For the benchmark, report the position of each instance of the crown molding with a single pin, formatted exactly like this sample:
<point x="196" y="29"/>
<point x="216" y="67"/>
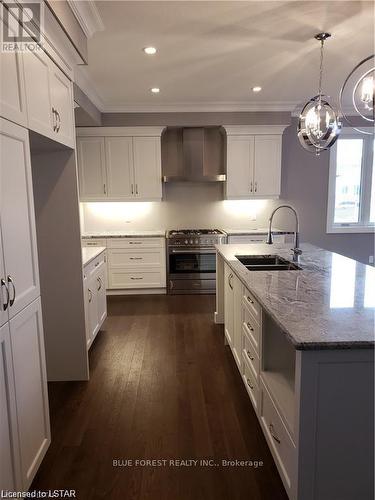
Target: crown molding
<point x="196" y="107"/>
<point x="255" y="129"/>
<point x="87" y="15"/>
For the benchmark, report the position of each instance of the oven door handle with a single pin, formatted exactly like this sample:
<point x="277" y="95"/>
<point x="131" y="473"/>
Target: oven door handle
<point x="198" y="251"/>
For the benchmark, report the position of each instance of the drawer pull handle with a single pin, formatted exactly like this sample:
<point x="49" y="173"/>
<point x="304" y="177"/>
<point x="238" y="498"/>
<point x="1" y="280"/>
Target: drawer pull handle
<point x="230" y="281"/>
<point x="250" y="327"/>
<point x="249" y="300"/>
<point x="273" y="434"/>
<point x="5" y="304"/>
<point x="132" y="278"/>
<point x="136" y="258"/>
<point x="135" y="242"/>
<point x="250" y="356"/>
<point x="249" y="384"/>
<point x="96" y="265"/>
<point x="100" y="284"/>
<point x="10" y="282"/>
<point x="90" y="295"/>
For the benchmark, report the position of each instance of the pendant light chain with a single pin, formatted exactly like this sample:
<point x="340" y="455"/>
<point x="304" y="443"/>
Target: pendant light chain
<point x="321" y="70"/>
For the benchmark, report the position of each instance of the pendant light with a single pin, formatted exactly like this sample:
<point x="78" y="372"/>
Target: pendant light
<point x="357" y="97"/>
<point x="318" y="124"/>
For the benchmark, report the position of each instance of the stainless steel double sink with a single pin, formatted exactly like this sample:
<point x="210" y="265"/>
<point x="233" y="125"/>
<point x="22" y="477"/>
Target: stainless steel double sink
<point x="267" y="263"/>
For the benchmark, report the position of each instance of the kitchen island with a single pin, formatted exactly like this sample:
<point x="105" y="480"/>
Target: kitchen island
<point x="303" y="342"/>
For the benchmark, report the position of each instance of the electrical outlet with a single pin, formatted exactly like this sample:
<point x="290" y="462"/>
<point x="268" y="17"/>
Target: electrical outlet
<point x="371" y="259"/>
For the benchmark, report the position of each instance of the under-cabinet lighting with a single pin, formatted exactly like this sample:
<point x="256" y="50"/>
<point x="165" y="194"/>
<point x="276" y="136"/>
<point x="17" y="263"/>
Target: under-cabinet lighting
<point x="119" y="211"/>
<point x="245" y="208"/>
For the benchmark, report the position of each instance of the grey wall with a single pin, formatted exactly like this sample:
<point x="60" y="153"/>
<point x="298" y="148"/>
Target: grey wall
<point x="87" y="114"/>
<point x="195" y="119"/>
<point x="305" y="185"/>
<point x="60" y="259"/>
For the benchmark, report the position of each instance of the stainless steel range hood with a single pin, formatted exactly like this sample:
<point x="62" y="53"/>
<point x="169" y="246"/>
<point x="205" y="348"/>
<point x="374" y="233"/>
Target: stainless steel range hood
<point x="193" y="154"/>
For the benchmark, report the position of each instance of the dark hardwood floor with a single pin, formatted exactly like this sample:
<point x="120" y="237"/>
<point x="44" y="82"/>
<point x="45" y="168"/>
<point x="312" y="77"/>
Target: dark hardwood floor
<point x="162" y="386"/>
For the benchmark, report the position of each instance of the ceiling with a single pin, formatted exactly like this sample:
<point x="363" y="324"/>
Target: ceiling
<point x="210" y="54"/>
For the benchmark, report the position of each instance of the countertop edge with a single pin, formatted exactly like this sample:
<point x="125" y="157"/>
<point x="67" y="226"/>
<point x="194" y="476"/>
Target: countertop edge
<point x="96" y="251"/>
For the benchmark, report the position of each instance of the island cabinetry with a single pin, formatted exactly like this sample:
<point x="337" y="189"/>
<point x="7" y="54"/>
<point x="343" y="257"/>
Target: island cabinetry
<point x="315" y="404"/>
<point x="232" y="298"/>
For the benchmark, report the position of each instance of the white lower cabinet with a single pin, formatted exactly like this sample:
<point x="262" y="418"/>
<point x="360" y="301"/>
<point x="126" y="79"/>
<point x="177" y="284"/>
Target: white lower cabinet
<point x="29" y="368"/>
<point x="9" y="459"/>
<point x="136" y="263"/>
<point x="232" y="298"/>
<point x="94" y="279"/>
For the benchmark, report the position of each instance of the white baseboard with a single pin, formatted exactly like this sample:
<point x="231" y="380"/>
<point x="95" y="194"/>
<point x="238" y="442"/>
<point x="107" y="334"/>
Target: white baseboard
<point x="218" y="318"/>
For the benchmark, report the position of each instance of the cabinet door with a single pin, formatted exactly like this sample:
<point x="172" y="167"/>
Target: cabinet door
<point x="147" y="168"/>
<point x="237" y="320"/>
<point x="101" y="293"/>
<point x="240" y="165"/>
<point x="4" y="291"/>
<point x="91" y="168"/>
<point x="92" y="297"/>
<point x="27" y="343"/>
<point x="38" y="97"/>
<point x="119" y="161"/>
<point x="9" y="458"/>
<point x="267" y="169"/>
<point x="18" y="217"/>
<point x="62" y="103"/>
<point x="228" y="304"/>
<point x="12" y="86"/>
<point x="86" y="296"/>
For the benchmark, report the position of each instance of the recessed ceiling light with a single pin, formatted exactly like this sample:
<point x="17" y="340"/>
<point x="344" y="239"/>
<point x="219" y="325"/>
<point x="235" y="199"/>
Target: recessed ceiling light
<point x="256" y="89"/>
<point x="150" y="51"/>
<point x="155" y="90"/>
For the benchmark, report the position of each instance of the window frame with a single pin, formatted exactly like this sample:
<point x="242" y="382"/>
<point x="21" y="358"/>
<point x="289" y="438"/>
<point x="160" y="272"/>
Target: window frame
<point x="363" y="225"/>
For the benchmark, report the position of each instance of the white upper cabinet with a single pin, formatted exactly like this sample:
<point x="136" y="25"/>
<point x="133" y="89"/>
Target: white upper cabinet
<point x="12" y="87"/>
<point x="147" y="167"/>
<point x="129" y="169"/>
<point x="253" y="161"/>
<point x="49" y="98"/>
<point x="62" y="104"/>
<point x="267" y="165"/>
<point x="17" y="217"/>
<point x="91" y="168"/>
<point x="119" y="161"/>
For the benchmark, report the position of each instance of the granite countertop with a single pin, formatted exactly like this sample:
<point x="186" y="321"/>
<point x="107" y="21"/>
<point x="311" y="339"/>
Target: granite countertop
<point x="124" y="234"/>
<point x="90" y="253"/>
<point x="259" y="230"/>
<point x="330" y="303"/>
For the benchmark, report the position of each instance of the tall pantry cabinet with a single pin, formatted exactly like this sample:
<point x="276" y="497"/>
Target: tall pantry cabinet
<point x="24" y="414"/>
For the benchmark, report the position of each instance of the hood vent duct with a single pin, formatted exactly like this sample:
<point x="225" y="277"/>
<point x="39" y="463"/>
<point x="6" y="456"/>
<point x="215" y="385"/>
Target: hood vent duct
<point x="193" y="154"/>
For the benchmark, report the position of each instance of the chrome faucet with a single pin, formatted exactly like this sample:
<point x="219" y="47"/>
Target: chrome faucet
<point x="296" y="250"/>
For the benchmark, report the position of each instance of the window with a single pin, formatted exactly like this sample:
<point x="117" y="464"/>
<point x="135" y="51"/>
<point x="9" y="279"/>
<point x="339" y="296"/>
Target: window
<point x="351" y="194"/>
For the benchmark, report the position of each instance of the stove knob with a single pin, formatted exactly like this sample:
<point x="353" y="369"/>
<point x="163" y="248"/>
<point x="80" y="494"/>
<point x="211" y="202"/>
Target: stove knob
<point x="191" y="242"/>
<point x="196" y="242"/>
<point x="186" y="242"/>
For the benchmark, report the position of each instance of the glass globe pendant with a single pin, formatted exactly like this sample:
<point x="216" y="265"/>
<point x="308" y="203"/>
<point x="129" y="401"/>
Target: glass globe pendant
<point x="318" y="124"/>
<point x="357" y="96"/>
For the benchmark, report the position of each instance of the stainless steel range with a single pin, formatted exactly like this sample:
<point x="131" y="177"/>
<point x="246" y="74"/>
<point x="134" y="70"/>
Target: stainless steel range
<point x="191" y="260"/>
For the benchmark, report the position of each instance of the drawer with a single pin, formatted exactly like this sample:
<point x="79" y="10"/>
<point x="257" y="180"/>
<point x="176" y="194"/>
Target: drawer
<point x="250" y="383"/>
<point x="277" y="436"/>
<point x="118" y="258"/>
<point x="251" y="327"/>
<point x="123" y="278"/>
<point x="94" y="242"/>
<point x="133" y="243"/>
<point x="252" y="304"/>
<point x="250" y="354"/>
